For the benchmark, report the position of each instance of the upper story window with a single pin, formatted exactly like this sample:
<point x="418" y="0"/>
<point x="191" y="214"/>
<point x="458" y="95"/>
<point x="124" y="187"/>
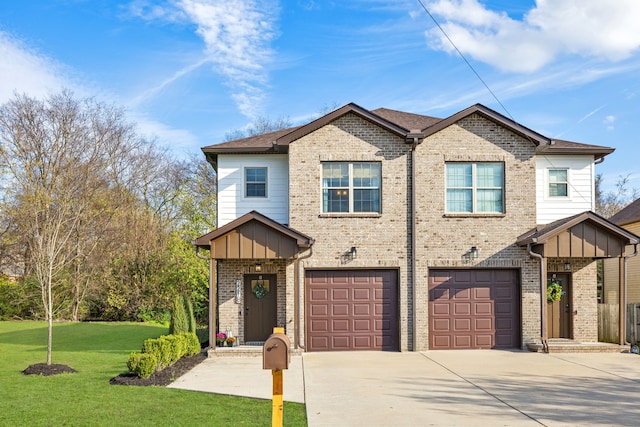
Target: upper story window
<point x="475" y="187"/>
<point x="255" y="182"/>
<point x="558" y="183"/>
<point x="351" y="187"/>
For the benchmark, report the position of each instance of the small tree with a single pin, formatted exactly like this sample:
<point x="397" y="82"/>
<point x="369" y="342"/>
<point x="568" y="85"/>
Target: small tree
<point x="179" y="321"/>
<point x="190" y="316"/>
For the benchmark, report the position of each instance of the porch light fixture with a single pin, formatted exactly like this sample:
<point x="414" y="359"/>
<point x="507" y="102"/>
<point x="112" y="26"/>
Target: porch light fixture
<point x="353" y="252"/>
<point x="238" y="295"/>
<point x="473" y="253"/>
<point x="567" y="266"/>
<point x="258" y="268"/>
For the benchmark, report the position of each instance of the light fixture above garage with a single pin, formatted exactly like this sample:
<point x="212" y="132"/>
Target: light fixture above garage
<point x="474" y="252"/>
<point x="353" y="252"/>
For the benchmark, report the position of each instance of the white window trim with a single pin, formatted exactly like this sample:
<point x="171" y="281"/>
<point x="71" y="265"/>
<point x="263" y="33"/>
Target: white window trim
<point x="474" y="189"/>
<point x="266" y="182"/>
<point x="350" y="189"/>
<point x="547" y="179"/>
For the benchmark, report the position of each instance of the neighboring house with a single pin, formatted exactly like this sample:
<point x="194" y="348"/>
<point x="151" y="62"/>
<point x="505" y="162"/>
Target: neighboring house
<point x="629" y="219"/>
<point x="385" y="230"/>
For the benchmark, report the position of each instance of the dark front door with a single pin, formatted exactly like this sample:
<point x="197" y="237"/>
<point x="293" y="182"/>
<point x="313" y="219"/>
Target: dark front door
<point x="559" y="312"/>
<point x="260" y="306"/>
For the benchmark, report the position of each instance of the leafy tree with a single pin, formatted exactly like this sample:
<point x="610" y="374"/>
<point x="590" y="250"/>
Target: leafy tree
<point x="179" y="321"/>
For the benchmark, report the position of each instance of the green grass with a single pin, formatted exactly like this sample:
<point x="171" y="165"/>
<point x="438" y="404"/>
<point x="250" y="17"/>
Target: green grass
<point x="99" y="351"/>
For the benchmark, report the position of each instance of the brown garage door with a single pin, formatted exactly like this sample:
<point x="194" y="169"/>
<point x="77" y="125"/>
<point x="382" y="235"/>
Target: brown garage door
<point x="351" y="310"/>
<point x="473" y="309"/>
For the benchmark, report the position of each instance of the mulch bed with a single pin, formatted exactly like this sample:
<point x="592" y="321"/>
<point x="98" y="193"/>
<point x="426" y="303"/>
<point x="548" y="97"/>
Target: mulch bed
<point x="161" y="378"/>
<point x="46" y="370"/>
<point x="164" y="377"/>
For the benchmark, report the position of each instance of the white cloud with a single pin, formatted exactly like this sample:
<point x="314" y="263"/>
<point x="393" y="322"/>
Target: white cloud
<point x="608" y="121"/>
<point x="236" y="34"/>
<point x="587" y="28"/>
<point x="24" y="70"/>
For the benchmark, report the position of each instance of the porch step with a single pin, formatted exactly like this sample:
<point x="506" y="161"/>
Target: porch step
<point x="570" y="346"/>
<point x="242" y="351"/>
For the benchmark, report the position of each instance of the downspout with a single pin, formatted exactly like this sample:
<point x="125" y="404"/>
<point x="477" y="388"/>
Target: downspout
<point x="623" y="297"/>
<point x="412" y="248"/>
<point x="212" y="298"/>
<point x="298" y="343"/>
<point x="543" y="292"/>
<point x="415" y="137"/>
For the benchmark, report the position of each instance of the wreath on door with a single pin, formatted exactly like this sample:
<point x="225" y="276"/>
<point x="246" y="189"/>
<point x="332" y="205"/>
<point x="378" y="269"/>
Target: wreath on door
<point x="260" y="291"/>
<point x="554" y="290"/>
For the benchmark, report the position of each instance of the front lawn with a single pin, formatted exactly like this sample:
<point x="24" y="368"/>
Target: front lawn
<point x="99" y="351"/>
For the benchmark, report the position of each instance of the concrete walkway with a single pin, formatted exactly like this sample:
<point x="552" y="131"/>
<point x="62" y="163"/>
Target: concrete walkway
<point x="442" y="388"/>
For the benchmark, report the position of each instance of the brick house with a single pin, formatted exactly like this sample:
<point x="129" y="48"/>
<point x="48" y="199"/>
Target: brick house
<point x="385" y="230"/>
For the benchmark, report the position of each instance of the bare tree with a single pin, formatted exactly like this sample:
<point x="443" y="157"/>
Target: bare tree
<point x="259" y="126"/>
<point x="65" y="159"/>
<point x="608" y="203"/>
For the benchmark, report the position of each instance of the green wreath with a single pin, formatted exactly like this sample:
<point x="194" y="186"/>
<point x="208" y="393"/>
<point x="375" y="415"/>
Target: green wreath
<point x="554" y="291"/>
<point x="260" y="291"/>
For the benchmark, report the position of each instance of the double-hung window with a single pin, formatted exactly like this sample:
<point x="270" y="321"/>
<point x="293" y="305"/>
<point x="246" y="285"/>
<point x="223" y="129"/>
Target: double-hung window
<point x="558" y="183"/>
<point x="475" y="187"/>
<point x="351" y="187"/>
<point x="255" y="182"/>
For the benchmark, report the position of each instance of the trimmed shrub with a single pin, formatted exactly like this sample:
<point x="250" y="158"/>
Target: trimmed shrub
<point x="191" y="318"/>
<point x="176" y="346"/>
<point x="179" y="321"/>
<point x="142" y="364"/>
<point x="192" y="344"/>
<point x="161" y="349"/>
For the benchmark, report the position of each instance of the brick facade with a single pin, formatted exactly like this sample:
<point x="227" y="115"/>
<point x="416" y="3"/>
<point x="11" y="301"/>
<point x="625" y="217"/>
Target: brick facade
<point x="383" y="240"/>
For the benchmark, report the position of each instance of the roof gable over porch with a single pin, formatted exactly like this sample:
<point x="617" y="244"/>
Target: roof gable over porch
<point x="586" y="235"/>
<point x="254" y="236"/>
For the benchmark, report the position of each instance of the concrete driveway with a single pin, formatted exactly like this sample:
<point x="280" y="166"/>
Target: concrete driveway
<point x="454" y="388"/>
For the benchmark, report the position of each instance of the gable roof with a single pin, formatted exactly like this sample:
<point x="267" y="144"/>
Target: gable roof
<point x="629" y="214"/>
<point x="409" y="126"/>
<point x="302" y="240"/>
<point x="543" y="233"/>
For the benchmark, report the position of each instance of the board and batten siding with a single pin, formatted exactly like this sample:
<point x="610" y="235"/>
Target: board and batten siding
<point x="581" y="178"/>
<point x="232" y="202"/>
<point x="611" y="273"/>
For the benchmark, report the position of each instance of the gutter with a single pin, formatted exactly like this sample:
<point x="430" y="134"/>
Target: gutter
<point x="543" y="309"/>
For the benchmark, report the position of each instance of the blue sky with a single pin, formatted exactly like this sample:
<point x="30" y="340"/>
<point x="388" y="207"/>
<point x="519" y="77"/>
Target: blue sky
<point x="190" y="71"/>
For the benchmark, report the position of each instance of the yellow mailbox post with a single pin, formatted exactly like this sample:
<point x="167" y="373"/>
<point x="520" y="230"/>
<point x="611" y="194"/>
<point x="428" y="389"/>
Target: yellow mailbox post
<point x="276" y="355"/>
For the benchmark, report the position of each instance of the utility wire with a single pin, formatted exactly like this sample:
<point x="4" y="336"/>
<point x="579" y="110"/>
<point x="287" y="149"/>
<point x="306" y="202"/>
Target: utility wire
<point x="487" y="86"/>
<point x="465" y="59"/>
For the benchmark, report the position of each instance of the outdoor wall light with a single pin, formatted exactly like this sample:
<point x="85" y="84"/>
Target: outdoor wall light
<point x="473" y="253"/>
<point x="238" y="296"/>
<point x="258" y="268"/>
<point x="567" y="266"/>
<point x="353" y="252"/>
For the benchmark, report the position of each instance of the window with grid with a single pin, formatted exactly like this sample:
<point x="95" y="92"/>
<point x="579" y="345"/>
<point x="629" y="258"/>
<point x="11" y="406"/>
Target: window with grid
<point x="475" y="187"/>
<point x="255" y="182"/>
<point x="351" y="187"/>
<point x="558" y="183"/>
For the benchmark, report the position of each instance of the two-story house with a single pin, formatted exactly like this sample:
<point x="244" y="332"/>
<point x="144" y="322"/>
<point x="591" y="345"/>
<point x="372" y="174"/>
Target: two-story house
<point x="385" y="230"/>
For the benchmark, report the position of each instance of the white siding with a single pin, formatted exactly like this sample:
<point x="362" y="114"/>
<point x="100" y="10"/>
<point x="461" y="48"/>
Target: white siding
<point x="232" y="202"/>
<point x="581" y="187"/>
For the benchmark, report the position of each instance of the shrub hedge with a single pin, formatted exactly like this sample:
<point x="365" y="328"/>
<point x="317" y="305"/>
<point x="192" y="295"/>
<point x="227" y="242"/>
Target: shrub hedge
<point x="158" y="353"/>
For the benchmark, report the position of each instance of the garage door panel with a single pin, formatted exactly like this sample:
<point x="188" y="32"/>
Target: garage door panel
<point x="474" y="309"/>
<point x="319" y="325"/>
<point x="360" y="306"/>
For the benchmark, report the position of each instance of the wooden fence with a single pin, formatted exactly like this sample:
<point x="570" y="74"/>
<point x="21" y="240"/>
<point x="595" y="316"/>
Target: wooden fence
<point x="608" y="316"/>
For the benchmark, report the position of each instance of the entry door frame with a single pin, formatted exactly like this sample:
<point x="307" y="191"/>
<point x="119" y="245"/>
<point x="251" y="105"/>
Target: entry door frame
<point x="260" y="314"/>
<point x="560" y="313"/>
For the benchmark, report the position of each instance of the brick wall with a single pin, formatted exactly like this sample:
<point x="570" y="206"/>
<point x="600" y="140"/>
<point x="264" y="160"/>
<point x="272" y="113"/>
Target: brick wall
<point x="443" y="240"/>
<point x="382" y="240"/>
